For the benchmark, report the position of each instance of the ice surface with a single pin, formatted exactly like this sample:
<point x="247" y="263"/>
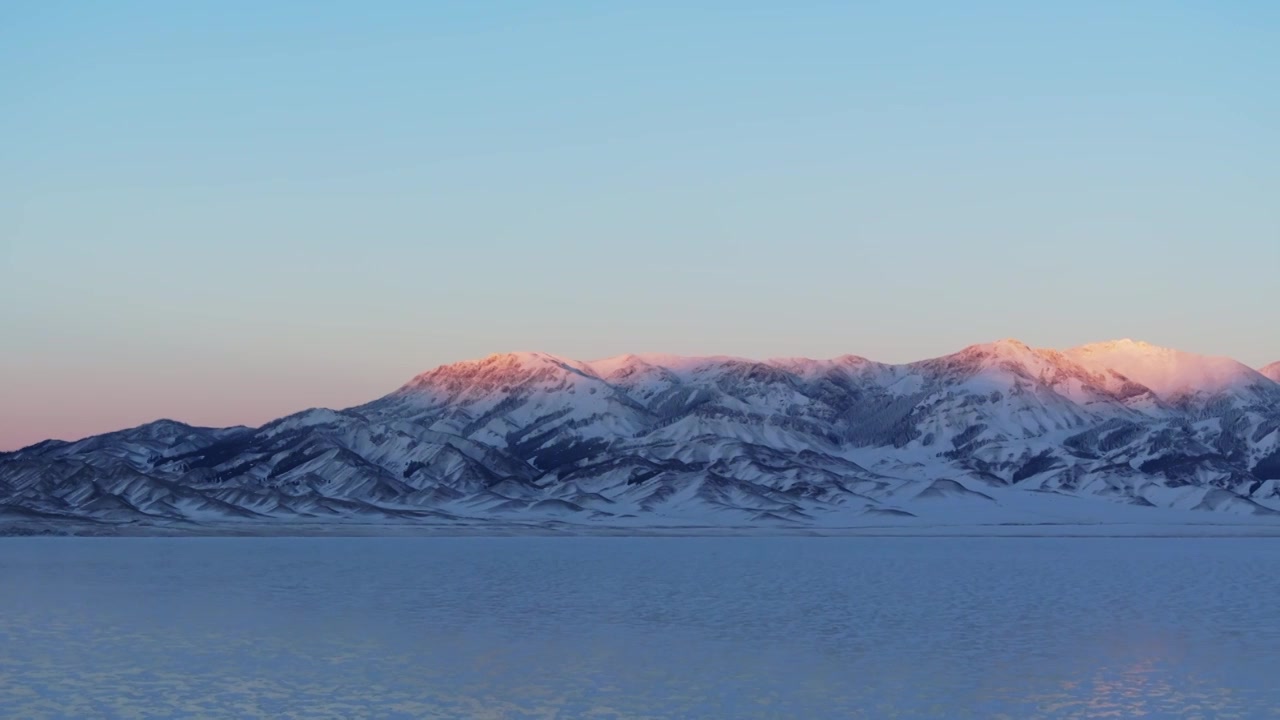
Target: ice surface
<point x="639" y="627"/>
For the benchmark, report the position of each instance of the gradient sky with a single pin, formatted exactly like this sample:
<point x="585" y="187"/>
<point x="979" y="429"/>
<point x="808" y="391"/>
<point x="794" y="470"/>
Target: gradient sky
<point x="222" y="212"/>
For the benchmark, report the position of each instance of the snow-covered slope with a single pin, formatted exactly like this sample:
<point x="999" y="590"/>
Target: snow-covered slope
<point x="1170" y="374"/>
<point x="997" y="432"/>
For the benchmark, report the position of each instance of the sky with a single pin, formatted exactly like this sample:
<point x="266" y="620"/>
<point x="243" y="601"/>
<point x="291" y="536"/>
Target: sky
<point x="223" y="212"/>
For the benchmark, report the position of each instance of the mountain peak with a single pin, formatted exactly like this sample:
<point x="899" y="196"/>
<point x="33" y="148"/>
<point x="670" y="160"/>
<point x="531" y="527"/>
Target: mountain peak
<point x="1005" y="347"/>
<point x="999" y="352"/>
<point x="675" y="365"/>
<point x="1013" y="343"/>
<point x="1167" y="372"/>
<point x="493" y="372"/>
<point x="523" y="358"/>
<point x="1271" y="371"/>
<point x="1123" y="345"/>
<point x="808" y="366"/>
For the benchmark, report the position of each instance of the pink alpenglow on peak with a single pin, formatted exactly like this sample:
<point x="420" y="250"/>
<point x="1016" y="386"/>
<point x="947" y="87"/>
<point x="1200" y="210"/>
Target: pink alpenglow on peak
<point x="631" y="363"/>
<point x="1166" y="372"/>
<point x="1271" y="371"/>
<point x="1126" y="367"/>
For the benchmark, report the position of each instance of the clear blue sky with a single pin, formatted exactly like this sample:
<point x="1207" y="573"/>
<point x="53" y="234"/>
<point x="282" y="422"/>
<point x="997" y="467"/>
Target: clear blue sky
<point x="225" y="211"/>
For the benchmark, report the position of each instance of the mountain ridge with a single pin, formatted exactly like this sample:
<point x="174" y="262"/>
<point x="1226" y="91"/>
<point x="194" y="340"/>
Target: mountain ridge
<point x="997" y="432"/>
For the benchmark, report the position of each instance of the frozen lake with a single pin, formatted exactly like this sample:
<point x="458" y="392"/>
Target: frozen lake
<point x="640" y="627"/>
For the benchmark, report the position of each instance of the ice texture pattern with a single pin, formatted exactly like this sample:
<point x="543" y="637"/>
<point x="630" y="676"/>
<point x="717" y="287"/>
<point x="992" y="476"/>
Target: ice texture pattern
<point x="639" y="627"/>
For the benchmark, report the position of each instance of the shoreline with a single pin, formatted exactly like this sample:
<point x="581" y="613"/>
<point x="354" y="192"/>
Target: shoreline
<point x="495" y="530"/>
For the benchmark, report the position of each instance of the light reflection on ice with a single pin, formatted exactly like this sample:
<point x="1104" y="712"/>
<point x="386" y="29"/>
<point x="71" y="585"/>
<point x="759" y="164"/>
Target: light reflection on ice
<point x="639" y="627"/>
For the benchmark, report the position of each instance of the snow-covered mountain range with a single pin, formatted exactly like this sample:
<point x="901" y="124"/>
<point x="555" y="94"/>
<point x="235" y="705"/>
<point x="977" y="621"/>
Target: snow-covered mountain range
<point x="1001" y="432"/>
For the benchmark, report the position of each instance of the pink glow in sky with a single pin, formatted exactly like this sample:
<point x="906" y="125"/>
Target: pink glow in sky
<point x="85" y="400"/>
<point x="223" y="216"/>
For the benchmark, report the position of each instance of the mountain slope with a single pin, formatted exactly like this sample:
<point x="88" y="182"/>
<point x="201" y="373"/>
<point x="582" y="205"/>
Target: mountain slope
<point x="997" y="432"/>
